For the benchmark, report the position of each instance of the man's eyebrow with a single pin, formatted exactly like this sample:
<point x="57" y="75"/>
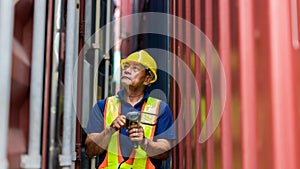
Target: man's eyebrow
<point x="140" y="65"/>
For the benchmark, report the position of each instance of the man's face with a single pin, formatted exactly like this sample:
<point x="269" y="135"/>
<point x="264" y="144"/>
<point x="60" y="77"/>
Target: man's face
<point x="134" y="75"/>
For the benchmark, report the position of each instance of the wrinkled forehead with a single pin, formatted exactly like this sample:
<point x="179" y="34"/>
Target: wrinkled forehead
<point x="132" y="63"/>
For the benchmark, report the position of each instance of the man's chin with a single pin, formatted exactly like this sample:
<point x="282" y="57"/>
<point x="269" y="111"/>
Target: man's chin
<point x="125" y="82"/>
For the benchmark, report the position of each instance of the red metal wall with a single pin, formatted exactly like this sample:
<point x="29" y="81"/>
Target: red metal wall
<point x="20" y="82"/>
<point x="257" y="44"/>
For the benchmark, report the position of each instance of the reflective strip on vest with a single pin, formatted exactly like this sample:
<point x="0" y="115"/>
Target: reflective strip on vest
<point x="138" y="157"/>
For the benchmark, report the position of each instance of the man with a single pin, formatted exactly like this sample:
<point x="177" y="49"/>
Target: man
<point x="108" y="135"/>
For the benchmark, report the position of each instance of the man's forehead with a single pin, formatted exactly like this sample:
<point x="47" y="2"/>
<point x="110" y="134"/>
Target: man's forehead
<point x="134" y="63"/>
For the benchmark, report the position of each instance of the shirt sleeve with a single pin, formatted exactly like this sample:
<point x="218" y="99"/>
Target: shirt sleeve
<point x="95" y="123"/>
<point x="165" y="125"/>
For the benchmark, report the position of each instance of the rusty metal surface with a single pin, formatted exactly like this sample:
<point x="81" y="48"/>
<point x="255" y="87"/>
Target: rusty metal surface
<point x="174" y="88"/>
<point x="282" y="85"/>
<point x="259" y="128"/>
<point x="47" y="83"/>
<point x="248" y="90"/>
<point x="208" y="30"/>
<point x="180" y="127"/>
<point x="224" y="52"/>
<point x="198" y="152"/>
<point x="20" y="84"/>
<point x="80" y="85"/>
<point x="188" y="151"/>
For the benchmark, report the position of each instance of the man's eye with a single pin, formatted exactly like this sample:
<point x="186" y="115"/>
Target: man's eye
<point x="136" y="69"/>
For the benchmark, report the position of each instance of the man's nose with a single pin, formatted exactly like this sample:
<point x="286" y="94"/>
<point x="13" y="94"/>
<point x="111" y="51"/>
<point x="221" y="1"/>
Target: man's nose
<point x="128" y="70"/>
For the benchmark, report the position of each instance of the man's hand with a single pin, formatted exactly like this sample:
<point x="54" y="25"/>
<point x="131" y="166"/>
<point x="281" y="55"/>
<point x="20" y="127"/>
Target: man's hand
<point x="96" y="143"/>
<point x="136" y="133"/>
<point x="119" y="123"/>
<point x="158" y="149"/>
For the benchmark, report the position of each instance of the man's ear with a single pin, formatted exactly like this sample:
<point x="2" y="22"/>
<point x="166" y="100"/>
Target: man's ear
<point x="148" y="79"/>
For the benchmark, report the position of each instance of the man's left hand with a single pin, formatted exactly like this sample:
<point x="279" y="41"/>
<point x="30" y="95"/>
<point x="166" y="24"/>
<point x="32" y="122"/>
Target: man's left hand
<point x="136" y="133"/>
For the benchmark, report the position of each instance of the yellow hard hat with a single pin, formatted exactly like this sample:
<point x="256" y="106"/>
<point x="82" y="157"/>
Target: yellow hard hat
<point x="145" y="59"/>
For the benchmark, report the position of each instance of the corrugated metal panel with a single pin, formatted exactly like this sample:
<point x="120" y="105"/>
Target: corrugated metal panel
<point x="247" y="88"/>
<point x="173" y="95"/>
<point x="197" y="72"/>
<point x="181" y="145"/>
<point x="282" y="82"/>
<point x="208" y="30"/>
<point x="20" y="83"/>
<point x="189" y="102"/>
<point x="256" y="42"/>
<point x="224" y="51"/>
<point x="47" y="83"/>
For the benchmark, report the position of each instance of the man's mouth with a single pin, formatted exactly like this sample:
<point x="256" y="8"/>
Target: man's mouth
<point x="126" y="77"/>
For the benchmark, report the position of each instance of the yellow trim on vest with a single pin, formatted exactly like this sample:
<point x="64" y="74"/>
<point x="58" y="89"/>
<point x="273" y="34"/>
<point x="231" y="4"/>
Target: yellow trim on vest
<point x="113" y="110"/>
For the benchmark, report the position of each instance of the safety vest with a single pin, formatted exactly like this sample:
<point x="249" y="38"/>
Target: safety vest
<point x="138" y="158"/>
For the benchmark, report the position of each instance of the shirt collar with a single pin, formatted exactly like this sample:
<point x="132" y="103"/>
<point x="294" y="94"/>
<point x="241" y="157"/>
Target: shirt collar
<point x="122" y="99"/>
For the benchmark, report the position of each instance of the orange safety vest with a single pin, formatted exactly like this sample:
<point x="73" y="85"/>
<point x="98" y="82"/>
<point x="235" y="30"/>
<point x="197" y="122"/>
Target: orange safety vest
<point x="138" y="158"/>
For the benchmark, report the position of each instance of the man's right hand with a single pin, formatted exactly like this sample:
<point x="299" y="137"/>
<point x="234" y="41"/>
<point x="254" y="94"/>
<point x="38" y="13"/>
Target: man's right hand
<point x="119" y="123"/>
